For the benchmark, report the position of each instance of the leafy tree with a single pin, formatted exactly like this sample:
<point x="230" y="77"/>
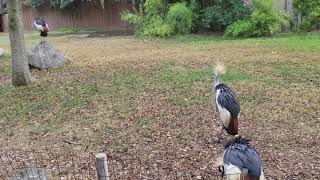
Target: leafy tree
<point x="56" y="3"/>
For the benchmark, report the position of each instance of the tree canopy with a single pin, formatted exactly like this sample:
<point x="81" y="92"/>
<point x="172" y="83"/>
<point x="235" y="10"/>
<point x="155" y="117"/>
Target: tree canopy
<point x="59" y="4"/>
<point x="3" y="6"/>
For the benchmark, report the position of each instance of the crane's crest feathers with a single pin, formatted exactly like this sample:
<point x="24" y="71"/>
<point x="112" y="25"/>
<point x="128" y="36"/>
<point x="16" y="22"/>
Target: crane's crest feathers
<point x="217" y="74"/>
<point x="219" y="69"/>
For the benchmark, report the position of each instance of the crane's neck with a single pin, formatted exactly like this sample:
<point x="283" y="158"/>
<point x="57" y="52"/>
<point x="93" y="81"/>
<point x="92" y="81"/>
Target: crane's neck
<point x="217" y="80"/>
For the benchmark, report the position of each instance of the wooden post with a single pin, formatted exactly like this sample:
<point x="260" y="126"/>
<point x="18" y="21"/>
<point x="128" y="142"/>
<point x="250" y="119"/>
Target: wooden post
<point x="102" y="166"/>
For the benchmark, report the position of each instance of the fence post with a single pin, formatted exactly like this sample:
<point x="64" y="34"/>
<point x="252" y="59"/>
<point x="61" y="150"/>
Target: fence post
<point x="102" y="166"/>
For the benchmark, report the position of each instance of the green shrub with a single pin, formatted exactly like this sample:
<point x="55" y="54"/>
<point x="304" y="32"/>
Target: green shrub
<point x="196" y="20"/>
<point x="135" y="18"/>
<point x="157" y="27"/>
<point x="310" y="10"/>
<point x="223" y="13"/>
<point x="151" y="21"/>
<point x="153" y="7"/>
<point x="180" y="18"/>
<point x="264" y="21"/>
<point x="240" y="28"/>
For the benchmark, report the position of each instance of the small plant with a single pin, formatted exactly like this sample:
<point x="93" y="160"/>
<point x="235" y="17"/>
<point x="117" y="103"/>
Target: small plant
<point x="264" y="21"/>
<point x="180" y="18"/>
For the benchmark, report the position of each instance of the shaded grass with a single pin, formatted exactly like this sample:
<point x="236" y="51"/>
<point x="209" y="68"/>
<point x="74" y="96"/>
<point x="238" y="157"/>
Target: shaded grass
<point x="303" y="42"/>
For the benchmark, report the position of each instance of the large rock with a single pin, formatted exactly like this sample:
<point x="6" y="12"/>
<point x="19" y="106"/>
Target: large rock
<point x="30" y="174"/>
<point x="44" y="56"/>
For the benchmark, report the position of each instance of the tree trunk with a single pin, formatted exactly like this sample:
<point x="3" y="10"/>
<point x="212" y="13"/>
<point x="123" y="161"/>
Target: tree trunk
<point x="20" y="69"/>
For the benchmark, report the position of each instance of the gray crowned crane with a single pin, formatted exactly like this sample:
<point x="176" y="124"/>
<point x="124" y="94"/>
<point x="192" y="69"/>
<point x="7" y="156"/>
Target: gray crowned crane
<point x="41" y="25"/>
<point x="227" y="104"/>
<point x="241" y="161"/>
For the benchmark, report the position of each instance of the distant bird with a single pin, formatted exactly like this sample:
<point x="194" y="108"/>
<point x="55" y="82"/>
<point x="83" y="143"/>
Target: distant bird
<point x="227" y="104"/>
<point x="41" y="25"/>
<point x="241" y="161"/>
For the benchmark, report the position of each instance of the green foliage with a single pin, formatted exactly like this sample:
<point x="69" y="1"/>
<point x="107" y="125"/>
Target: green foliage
<point x="149" y="21"/>
<point x="53" y="3"/>
<point x="153" y="7"/>
<point x="153" y="22"/>
<point x="310" y="9"/>
<point x="37" y="3"/>
<point x="195" y="8"/>
<point x="180" y="18"/>
<point x="223" y="13"/>
<point x="135" y="18"/>
<point x="156" y="27"/>
<point x="264" y="21"/>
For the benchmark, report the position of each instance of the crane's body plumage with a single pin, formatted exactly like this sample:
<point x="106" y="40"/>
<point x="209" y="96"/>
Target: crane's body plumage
<point x="227" y="104"/>
<point x="240" y="157"/>
<point x="41" y="25"/>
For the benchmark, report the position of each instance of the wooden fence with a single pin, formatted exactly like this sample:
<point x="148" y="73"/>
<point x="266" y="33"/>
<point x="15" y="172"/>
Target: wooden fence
<point x="85" y="15"/>
<point x="287" y="6"/>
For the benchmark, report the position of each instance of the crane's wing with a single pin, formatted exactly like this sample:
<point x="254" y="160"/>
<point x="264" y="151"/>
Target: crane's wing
<point x="227" y="100"/>
<point x="244" y="156"/>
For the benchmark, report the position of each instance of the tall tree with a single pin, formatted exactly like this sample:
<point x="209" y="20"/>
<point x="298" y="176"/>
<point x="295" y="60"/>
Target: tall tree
<point x="20" y="69"/>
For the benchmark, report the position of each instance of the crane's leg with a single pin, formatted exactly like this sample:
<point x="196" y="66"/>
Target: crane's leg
<point x="220" y="135"/>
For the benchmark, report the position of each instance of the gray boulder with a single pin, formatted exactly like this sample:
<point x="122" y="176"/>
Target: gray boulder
<point x="30" y="174"/>
<point x="44" y="56"/>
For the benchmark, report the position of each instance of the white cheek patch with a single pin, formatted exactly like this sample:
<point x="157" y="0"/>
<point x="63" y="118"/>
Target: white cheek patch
<point x="224" y="114"/>
<point x="232" y="172"/>
<point x="39" y="27"/>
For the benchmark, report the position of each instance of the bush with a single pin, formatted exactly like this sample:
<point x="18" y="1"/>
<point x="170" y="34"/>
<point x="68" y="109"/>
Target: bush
<point x="264" y="21"/>
<point x="135" y="18"/>
<point x="157" y="27"/>
<point x="223" y="13"/>
<point x="149" y="21"/>
<point x="180" y="18"/>
<point x="195" y="8"/>
<point x="153" y="22"/>
<point x="311" y="11"/>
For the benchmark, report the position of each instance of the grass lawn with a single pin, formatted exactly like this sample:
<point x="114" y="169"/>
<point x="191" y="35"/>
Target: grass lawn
<point x="152" y="100"/>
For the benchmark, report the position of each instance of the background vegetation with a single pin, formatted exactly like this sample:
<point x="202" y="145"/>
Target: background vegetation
<point x="310" y="10"/>
<point x="235" y="17"/>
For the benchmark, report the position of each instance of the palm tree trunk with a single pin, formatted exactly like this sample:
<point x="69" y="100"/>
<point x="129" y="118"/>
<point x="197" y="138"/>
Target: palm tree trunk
<point x="20" y="69"/>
